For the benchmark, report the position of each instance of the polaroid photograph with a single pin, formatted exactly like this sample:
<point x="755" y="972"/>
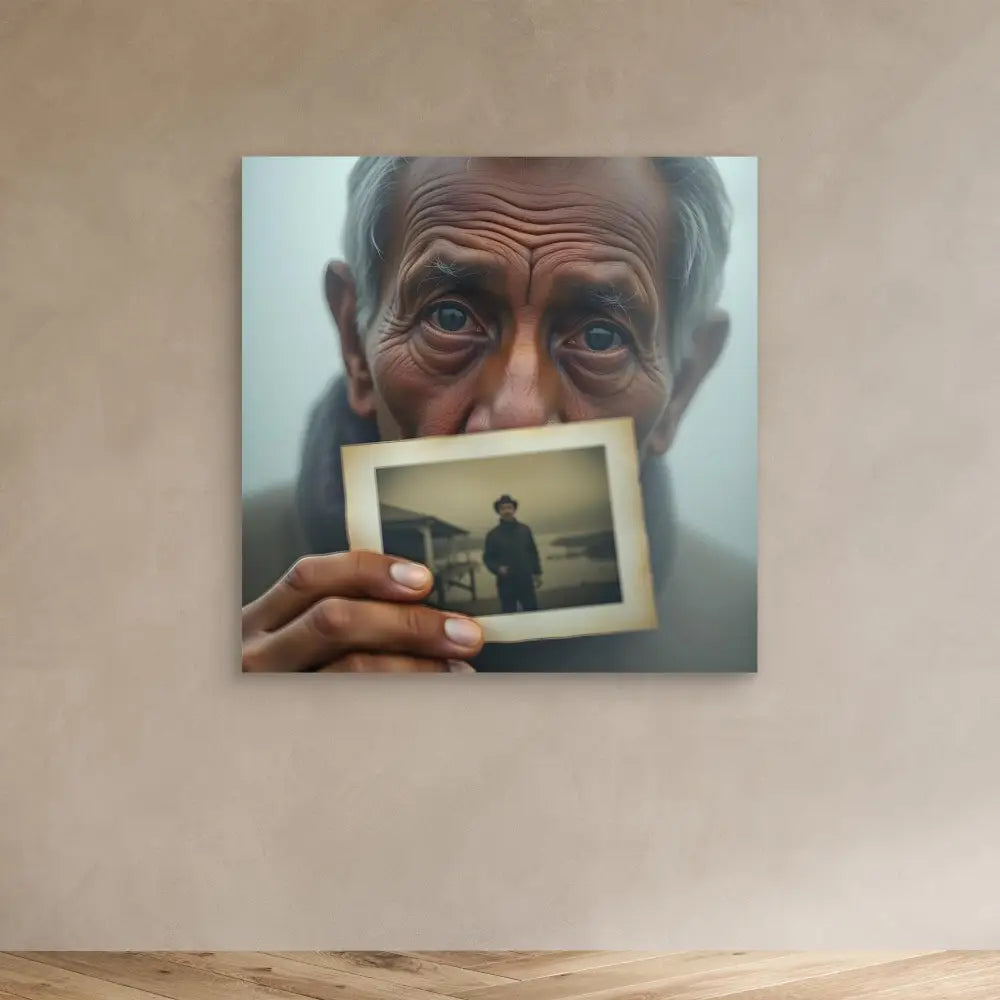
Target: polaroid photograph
<point x="537" y="533"/>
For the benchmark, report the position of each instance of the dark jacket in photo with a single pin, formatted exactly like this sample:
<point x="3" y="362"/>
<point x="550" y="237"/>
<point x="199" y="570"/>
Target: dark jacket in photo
<point x="511" y="544"/>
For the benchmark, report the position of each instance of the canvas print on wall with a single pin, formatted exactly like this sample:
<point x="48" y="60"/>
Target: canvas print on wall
<point x="499" y="414"/>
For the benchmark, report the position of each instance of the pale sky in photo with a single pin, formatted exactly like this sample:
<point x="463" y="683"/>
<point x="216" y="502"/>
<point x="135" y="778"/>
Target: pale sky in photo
<point x="557" y="491"/>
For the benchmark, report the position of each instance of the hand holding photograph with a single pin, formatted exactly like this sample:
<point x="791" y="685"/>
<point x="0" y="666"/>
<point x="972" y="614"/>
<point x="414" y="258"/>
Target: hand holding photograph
<point x="566" y="556"/>
<point x="527" y="440"/>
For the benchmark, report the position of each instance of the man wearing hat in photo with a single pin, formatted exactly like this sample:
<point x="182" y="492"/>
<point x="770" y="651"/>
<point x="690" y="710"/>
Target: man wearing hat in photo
<point x="511" y="556"/>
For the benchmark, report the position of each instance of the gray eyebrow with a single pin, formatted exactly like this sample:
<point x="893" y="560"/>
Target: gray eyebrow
<point x="619" y="298"/>
<point x="612" y="297"/>
<point x="464" y="276"/>
<point x="448" y="268"/>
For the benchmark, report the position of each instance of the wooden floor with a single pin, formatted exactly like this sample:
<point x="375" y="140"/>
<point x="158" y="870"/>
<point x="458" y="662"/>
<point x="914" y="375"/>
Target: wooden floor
<point x="500" y="975"/>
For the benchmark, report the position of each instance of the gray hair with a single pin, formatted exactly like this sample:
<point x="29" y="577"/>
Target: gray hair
<point x="701" y="224"/>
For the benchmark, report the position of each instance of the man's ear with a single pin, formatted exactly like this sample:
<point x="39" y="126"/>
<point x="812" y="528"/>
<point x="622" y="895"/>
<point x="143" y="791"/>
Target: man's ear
<point x="707" y="344"/>
<point x="342" y="299"/>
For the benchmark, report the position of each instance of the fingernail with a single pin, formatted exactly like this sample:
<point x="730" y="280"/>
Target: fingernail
<point x="462" y="632"/>
<point x="410" y="575"/>
<point x="460" y="667"/>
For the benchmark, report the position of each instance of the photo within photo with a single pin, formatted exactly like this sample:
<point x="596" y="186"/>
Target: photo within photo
<point x="507" y="534"/>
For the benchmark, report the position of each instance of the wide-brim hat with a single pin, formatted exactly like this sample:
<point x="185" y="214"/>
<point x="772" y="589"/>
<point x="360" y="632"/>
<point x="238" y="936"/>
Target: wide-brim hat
<point x="506" y="498"/>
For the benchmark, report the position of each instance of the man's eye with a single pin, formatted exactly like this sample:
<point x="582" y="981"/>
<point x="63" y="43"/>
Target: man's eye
<point x="602" y="337"/>
<point x="450" y="317"/>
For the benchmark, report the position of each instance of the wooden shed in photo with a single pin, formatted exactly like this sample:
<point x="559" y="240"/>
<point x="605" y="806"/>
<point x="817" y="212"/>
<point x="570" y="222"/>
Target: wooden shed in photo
<point x="431" y="541"/>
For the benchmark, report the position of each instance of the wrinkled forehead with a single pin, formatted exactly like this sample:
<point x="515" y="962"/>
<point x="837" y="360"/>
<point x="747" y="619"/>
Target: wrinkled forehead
<point x="527" y="204"/>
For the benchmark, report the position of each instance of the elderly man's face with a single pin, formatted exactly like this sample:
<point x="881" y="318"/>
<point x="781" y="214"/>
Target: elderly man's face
<point x="506" y="511"/>
<point x="518" y="293"/>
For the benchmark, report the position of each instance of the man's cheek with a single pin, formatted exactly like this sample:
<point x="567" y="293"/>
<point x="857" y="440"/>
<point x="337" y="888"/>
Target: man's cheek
<point x="647" y="413"/>
<point x="649" y="395"/>
<point x="446" y="411"/>
<point x="411" y="401"/>
<point x="645" y="401"/>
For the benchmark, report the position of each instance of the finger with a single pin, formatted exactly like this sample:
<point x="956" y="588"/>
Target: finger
<point x="339" y="574"/>
<point x="337" y="626"/>
<point x="375" y="663"/>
